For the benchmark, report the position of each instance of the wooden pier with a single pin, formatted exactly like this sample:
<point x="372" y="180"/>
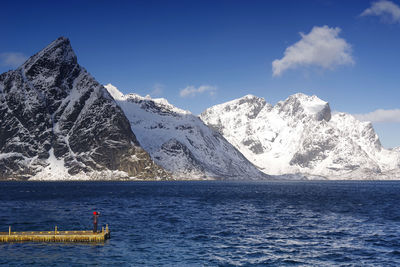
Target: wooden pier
<point x="55" y="236"/>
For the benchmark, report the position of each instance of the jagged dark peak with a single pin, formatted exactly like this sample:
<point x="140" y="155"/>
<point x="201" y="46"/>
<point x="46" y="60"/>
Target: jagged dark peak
<point x="57" y="55"/>
<point x="305" y="106"/>
<point x="59" y="121"/>
<point x="58" y="50"/>
<point x="51" y="71"/>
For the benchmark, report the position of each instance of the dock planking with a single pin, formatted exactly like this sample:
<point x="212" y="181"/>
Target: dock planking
<point x="55" y="236"/>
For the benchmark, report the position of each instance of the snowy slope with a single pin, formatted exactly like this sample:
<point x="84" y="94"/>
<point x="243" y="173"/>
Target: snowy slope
<point x="180" y="142"/>
<point x="300" y="135"/>
<point x="57" y="122"/>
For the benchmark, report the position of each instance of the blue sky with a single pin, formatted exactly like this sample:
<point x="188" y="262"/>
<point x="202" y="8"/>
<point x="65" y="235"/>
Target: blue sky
<point x="201" y="53"/>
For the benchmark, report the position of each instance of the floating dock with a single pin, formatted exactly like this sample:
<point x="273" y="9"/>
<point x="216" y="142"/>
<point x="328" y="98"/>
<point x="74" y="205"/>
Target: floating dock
<point x="55" y="236"/>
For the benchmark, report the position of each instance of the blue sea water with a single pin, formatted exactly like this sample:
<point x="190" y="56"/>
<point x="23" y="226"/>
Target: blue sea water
<point x="207" y="223"/>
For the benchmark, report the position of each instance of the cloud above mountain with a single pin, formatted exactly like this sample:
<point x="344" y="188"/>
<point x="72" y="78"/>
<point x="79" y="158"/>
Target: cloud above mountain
<point x="12" y="59"/>
<point x="387" y="10"/>
<point x="191" y="91"/>
<point x="380" y="115"/>
<point x="322" y="47"/>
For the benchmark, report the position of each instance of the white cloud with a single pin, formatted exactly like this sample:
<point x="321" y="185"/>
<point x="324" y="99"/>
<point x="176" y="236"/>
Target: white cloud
<point x="387" y="10"/>
<point x="380" y="115"/>
<point x="321" y="47"/>
<point x="12" y="59"/>
<point x="191" y="91"/>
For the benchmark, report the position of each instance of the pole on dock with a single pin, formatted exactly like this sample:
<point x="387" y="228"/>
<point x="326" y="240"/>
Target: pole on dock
<point x="9" y="230"/>
<point x="102" y="229"/>
<point x="55" y="230"/>
<point x="106" y="227"/>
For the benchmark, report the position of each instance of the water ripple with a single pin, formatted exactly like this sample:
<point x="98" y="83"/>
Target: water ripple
<point x="208" y="223"/>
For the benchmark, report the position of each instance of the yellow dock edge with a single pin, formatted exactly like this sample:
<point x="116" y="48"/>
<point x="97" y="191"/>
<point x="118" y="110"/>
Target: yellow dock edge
<point x="55" y="236"/>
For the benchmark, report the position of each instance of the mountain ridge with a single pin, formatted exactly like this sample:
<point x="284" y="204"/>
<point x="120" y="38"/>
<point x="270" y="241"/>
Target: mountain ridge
<point x="300" y="135"/>
<point x="181" y="142"/>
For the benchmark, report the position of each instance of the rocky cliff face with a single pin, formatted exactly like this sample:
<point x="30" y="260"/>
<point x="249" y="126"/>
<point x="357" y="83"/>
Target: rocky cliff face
<point x="300" y="135"/>
<point x="58" y="122"/>
<point x="182" y="143"/>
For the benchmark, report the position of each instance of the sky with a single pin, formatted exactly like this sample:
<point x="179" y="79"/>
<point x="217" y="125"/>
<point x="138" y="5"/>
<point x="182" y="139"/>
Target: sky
<point x="198" y="54"/>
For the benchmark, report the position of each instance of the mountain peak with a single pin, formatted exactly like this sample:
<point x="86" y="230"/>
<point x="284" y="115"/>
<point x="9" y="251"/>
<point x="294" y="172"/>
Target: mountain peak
<point x="114" y="92"/>
<point x="249" y="99"/>
<point x="308" y="105"/>
<point x="59" y="52"/>
<point x="307" y="99"/>
<point x="248" y="105"/>
<point x="250" y="96"/>
<point x="60" y="40"/>
<point x="156" y="105"/>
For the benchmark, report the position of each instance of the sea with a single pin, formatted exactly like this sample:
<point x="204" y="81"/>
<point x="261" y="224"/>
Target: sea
<point x="207" y="223"/>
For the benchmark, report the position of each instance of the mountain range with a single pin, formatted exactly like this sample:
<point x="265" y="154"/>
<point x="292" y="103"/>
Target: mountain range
<point x="301" y="135"/>
<point x="58" y="123"/>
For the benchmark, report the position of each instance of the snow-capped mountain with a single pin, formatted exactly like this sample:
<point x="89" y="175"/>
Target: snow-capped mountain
<point x="58" y="122"/>
<point x="180" y="142"/>
<point x="300" y="135"/>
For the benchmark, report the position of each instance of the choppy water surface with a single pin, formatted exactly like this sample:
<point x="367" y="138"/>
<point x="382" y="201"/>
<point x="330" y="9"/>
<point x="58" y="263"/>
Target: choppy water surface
<point x="208" y="223"/>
